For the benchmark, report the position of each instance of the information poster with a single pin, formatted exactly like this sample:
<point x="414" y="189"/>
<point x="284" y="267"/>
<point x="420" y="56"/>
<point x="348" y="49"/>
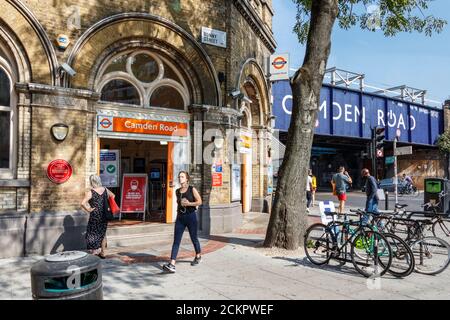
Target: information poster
<point x="269" y="179"/>
<point x="217" y="179"/>
<point x="109" y="167"/>
<point x="235" y="182"/>
<point x="134" y="193"/>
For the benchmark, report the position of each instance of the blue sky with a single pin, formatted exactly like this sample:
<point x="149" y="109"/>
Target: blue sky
<point x="411" y="59"/>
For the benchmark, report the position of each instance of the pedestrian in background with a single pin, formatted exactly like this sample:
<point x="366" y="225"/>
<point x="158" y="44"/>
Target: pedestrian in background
<point x="94" y="203"/>
<point x="340" y="181"/>
<point x="371" y="194"/>
<point x="314" y="187"/>
<point x="308" y="190"/>
<point x="188" y="199"/>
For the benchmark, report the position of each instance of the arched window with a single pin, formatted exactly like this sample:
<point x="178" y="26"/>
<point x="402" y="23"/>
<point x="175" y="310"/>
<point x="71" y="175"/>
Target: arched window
<point x="122" y="91"/>
<point x="167" y="97"/>
<point x="143" y="78"/>
<point x="7" y="116"/>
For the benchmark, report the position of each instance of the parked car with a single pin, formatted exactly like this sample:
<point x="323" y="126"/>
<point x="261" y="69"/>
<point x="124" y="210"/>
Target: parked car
<point x="387" y="184"/>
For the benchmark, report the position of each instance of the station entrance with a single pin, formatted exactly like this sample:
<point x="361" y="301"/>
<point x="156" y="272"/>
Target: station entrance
<point x="150" y="158"/>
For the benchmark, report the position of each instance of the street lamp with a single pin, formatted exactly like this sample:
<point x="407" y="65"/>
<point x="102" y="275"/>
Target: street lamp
<point x="60" y="131"/>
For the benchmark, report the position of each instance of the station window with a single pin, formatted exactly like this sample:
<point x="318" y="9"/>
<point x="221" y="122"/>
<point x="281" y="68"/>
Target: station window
<point x="7" y="116"/>
<point x="167" y="97"/>
<point x="143" y="78"/>
<point x="121" y="91"/>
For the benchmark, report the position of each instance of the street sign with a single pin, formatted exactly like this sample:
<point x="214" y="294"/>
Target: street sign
<point x="389" y="160"/>
<point x="402" y="151"/>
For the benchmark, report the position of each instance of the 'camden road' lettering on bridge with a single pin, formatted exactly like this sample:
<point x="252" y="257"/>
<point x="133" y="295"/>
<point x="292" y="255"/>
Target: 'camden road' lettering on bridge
<point x="349" y="113"/>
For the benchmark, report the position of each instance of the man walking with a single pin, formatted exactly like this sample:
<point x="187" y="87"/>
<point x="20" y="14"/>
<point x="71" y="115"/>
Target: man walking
<point x="340" y="181"/>
<point x="371" y="193"/>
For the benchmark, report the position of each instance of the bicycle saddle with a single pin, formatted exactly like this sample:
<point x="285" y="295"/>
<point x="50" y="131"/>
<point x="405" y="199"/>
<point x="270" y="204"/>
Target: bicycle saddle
<point x="400" y="206"/>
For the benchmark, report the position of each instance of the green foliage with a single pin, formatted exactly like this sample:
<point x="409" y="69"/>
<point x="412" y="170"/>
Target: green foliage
<point x="444" y="142"/>
<point x="389" y="16"/>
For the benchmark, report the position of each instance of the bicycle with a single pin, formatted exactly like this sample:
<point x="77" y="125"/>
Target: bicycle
<point x="403" y="262"/>
<point x="370" y="252"/>
<point x="441" y="226"/>
<point x="431" y="253"/>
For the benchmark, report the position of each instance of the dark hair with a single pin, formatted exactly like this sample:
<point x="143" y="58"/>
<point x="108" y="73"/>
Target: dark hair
<point x="187" y="175"/>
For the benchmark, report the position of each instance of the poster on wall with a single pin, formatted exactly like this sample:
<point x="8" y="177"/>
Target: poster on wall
<point x="245" y="142"/>
<point x="217" y="179"/>
<point x="134" y="193"/>
<point x="109" y="167"/>
<point x="269" y="179"/>
<point x="235" y="182"/>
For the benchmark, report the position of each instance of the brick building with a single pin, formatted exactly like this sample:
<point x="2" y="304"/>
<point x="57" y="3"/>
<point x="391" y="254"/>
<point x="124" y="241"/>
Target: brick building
<point x="155" y="62"/>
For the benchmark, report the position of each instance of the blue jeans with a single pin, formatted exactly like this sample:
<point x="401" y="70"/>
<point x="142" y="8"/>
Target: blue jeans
<point x="371" y="206"/>
<point x="188" y="220"/>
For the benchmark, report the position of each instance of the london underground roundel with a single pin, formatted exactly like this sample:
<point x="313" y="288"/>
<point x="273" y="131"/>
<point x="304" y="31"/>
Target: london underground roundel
<point x="59" y="171"/>
<point x="279" y="63"/>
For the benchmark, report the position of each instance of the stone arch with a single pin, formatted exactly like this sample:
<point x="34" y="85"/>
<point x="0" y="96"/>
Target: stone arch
<point x="252" y="73"/>
<point x="27" y="39"/>
<point x="188" y="73"/>
<point x="252" y="82"/>
<point x="99" y="39"/>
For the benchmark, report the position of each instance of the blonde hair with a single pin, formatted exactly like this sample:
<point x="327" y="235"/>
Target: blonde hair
<point x="95" y="181"/>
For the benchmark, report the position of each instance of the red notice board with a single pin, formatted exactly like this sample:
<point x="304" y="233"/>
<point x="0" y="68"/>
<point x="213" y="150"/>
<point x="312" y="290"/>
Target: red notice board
<point x="134" y="193"/>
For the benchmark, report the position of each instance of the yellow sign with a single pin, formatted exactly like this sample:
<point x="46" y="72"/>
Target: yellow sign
<point x="246" y="142"/>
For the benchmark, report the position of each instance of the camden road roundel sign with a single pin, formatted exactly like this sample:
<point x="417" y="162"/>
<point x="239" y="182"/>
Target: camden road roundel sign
<point x="59" y="171"/>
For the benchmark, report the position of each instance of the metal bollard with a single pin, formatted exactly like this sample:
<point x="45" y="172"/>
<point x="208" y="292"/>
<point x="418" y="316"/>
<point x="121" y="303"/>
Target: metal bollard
<point x="386" y="200"/>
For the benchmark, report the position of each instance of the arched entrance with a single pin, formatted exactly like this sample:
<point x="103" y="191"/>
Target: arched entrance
<point x="148" y="71"/>
<point x="252" y="83"/>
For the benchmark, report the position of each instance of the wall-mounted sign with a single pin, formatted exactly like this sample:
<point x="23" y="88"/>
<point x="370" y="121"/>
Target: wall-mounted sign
<point x="142" y="126"/>
<point x="62" y="41"/>
<point x="245" y="142"/>
<point x="235" y="182"/>
<point x="217" y="179"/>
<point x="109" y="168"/>
<point x="269" y="179"/>
<point x="59" y="171"/>
<point x="134" y="193"/>
<point x="217" y="166"/>
<point x="214" y="37"/>
<point x="279" y="67"/>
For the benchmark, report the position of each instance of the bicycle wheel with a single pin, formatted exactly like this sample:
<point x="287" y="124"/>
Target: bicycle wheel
<point x="318" y="244"/>
<point x="371" y="254"/>
<point x="441" y="229"/>
<point x="402" y="264"/>
<point x="431" y="255"/>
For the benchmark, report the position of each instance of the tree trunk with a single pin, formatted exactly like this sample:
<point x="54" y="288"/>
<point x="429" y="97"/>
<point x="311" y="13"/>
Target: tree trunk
<point x="288" y="220"/>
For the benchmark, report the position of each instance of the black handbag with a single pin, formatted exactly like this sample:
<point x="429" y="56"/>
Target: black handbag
<point x="106" y="207"/>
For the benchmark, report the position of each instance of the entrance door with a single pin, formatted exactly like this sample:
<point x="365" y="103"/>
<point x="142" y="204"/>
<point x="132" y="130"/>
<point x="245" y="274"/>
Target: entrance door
<point x="157" y="190"/>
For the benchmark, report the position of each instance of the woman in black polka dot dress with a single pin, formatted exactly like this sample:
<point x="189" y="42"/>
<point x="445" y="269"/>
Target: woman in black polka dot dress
<point x="94" y="203"/>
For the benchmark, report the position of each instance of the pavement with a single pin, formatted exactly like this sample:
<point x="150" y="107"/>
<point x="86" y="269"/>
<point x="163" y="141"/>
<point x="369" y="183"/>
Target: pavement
<point x="235" y="266"/>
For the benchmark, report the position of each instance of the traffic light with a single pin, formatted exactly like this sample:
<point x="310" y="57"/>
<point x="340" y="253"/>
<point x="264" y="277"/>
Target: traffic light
<point x="378" y="135"/>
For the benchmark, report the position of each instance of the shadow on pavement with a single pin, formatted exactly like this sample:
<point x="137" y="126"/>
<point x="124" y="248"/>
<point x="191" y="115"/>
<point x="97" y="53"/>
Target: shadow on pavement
<point x="341" y="269"/>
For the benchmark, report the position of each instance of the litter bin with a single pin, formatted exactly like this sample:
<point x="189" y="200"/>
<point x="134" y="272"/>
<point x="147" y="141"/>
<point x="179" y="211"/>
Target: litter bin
<point x="73" y="275"/>
<point x="434" y="187"/>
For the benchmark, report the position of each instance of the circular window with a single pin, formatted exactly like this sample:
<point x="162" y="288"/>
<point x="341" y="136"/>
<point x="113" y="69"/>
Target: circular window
<point x="167" y="97"/>
<point x="121" y="91"/>
<point x="144" y="68"/>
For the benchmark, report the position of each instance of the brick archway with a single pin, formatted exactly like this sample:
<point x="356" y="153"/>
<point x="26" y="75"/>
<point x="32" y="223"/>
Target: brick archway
<point x="24" y="35"/>
<point x="155" y="30"/>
